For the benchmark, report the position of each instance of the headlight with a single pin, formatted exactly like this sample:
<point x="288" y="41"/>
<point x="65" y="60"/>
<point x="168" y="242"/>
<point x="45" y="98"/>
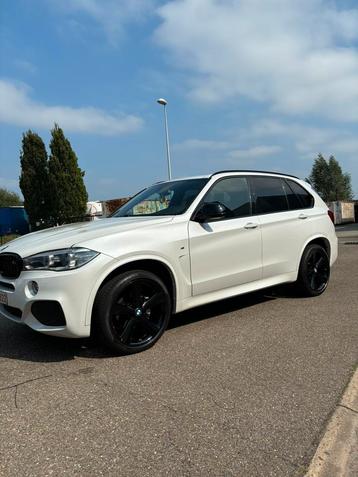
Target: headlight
<point x="60" y="260"/>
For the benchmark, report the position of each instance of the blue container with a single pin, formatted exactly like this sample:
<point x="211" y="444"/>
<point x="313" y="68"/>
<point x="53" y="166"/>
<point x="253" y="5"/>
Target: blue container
<point x="13" y="220"/>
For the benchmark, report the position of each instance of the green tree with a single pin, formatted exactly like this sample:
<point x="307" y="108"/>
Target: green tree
<point x="341" y="188"/>
<point x="8" y="198"/>
<point x="329" y="180"/>
<point x="34" y="179"/>
<point x="68" y="192"/>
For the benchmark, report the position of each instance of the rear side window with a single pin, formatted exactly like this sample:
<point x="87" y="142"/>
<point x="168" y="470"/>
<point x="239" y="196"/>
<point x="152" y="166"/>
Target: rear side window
<point x="304" y="198"/>
<point x="269" y="194"/>
<point x="294" y="201"/>
<point x="233" y="192"/>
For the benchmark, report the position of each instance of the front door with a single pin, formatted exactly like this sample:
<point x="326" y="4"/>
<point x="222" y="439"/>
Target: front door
<point x="226" y="252"/>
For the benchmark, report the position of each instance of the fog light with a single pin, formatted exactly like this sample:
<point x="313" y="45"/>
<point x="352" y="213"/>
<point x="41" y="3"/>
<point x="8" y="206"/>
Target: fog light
<point x="33" y="288"/>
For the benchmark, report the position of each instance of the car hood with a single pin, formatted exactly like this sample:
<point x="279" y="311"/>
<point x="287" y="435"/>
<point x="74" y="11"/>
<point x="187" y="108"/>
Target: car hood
<point x="74" y="234"/>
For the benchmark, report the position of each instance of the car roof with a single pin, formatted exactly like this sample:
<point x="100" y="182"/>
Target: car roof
<point x="230" y="171"/>
<point x="249" y="171"/>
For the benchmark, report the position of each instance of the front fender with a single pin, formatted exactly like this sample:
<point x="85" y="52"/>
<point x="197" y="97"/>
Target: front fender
<point x="118" y="263"/>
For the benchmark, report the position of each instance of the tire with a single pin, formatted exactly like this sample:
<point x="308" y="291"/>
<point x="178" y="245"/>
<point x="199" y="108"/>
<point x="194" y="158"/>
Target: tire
<point x="314" y="271"/>
<point x="131" y="312"/>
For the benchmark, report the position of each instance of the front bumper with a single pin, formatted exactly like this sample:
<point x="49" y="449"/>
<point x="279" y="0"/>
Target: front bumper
<point x="71" y="289"/>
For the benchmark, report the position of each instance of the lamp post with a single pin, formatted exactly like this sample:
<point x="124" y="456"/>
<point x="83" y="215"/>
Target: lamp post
<point x="164" y="103"/>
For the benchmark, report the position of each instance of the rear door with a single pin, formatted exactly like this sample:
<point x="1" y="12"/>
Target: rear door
<point x="285" y="224"/>
<point x="226" y="252"/>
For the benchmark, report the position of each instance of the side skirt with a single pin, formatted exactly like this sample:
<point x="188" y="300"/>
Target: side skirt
<point x="198" y="300"/>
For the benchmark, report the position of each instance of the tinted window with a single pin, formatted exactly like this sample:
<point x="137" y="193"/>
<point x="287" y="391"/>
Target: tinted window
<point x="294" y="202"/>
<point x="305" y="198"/>
<point x="232" y="192"/>
<point x="270" y="195"/>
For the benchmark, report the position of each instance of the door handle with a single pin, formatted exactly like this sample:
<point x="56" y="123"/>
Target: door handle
<point x="251" y="225"/>
<point x="302" y="216"/>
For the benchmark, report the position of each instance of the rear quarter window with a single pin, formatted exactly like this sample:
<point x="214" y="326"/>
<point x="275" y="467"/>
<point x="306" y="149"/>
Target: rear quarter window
<point x="303" y="200"/>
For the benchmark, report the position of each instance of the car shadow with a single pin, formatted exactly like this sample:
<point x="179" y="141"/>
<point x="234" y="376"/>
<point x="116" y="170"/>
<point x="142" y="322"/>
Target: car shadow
<point x="222" y="307"/>
<point x="19" y="342"/>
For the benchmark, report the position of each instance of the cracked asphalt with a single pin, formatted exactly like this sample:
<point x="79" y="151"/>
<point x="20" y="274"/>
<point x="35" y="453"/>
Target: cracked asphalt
<point x="243" y="387"/>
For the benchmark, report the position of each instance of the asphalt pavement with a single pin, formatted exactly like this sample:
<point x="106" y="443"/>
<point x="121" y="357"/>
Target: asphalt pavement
<point x="243" y="387"/>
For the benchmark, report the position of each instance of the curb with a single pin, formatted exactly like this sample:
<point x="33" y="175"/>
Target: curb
<point x="337" y="453"/>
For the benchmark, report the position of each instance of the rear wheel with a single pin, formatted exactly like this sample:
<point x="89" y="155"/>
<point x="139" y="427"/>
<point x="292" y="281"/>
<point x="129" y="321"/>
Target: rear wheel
<point x="132" y="311"/>
<point x="314" y="271"/>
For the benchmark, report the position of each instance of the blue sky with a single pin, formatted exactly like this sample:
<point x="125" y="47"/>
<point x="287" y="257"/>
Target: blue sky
<point x="250" y="85"/>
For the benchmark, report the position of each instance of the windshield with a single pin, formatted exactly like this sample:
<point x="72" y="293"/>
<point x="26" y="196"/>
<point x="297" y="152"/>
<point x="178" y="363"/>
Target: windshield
<point x="165" y="198"/>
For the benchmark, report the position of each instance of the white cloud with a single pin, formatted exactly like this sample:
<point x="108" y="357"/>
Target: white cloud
<point x="255" y="152"/>
<point x="230" y="148"/>
<point x="16" y="107"/>
<point x="111" y="15"/>
<point x="306" y="139"/>
<point x="297" y="56"/>
<point x="190" y="144"/>
<point x="303" y="136"/>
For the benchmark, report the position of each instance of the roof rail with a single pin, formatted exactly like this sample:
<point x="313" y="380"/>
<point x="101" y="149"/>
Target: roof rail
<point x="251" y="171"/>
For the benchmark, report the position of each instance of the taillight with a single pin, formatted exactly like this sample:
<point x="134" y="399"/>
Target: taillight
<point x="331" y="215"/>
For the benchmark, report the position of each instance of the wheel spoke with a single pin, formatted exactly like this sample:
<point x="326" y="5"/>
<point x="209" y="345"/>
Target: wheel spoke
<point x="127" y="330"/>
<point x="157" y="299"/>
<point x="124" y="310"/>
<point x="322" y="276"/>
<point x="136" y="295"/>
<point x="150" y="327"/>
<point x="310" y="263"/>
<point x="319" y="261"/>
<point x="312" y="258"/>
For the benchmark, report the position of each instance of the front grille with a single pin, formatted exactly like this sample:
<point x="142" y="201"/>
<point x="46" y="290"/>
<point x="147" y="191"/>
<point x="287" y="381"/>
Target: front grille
<point x="10" y="265"/>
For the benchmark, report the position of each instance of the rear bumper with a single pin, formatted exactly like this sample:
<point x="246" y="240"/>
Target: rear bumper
<point x="334" y="249"/>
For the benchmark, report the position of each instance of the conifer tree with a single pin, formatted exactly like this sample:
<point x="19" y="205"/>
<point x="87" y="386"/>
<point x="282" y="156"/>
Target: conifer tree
<point x="329" y="180"/>
<point x="34" y="179"/>
<point x="68" y="192"/>
<point x="340" y="183"/>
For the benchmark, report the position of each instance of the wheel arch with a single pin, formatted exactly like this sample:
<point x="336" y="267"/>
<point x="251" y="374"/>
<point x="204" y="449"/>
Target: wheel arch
<point x="319" y="240"/>
<point x="153" y="265"/>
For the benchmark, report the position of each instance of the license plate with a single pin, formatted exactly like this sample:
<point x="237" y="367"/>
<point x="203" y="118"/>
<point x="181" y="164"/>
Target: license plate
<point x="3" y="298"/>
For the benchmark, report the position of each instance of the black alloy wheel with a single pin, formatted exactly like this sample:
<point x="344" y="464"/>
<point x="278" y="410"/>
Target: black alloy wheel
<point x="314" y="272"/>
<point x="132" y="311"/>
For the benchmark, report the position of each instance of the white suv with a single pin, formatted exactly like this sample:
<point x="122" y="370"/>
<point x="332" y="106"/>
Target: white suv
<point x="173" y="246"/>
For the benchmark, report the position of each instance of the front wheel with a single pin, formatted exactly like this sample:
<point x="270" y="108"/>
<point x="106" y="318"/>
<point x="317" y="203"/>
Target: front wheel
<point x="131" y="312"/>
<point x="314" y="271"/>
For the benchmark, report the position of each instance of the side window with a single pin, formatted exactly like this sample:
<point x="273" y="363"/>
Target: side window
<point x="233" y="193"/>
<point x="305" y="198"/>
<point x="294" y="202"/>
<point x="270" y="195"/>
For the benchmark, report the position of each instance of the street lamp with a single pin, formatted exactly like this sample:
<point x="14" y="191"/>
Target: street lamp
<point x="164" y="103"/>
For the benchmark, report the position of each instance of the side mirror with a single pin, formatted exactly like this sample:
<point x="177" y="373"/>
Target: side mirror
<point x="210" y="211"/>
